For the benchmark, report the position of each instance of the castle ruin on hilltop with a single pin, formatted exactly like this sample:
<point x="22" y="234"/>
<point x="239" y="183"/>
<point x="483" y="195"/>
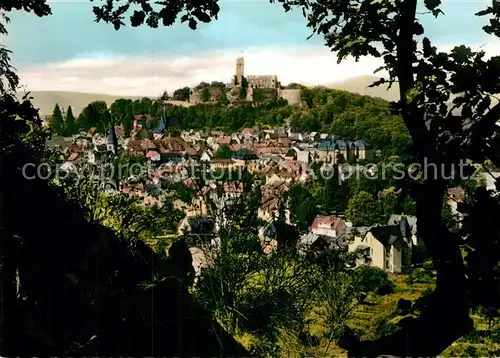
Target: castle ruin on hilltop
<point x="251" y="88"/>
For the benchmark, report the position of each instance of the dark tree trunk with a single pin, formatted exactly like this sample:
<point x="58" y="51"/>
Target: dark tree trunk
<point x="8" y="327"/>
<point x="446" y="318"/>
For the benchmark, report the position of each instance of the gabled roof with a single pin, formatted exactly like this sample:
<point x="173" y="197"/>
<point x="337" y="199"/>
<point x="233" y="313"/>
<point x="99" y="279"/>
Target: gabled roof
<point x="224" y="140"/>
<point x="161" y="126"/>
<point x="139" y="117"/>
<point x="407" y="224"/>
<point x="332" y="221"/>
<point x="361" y="144"/>
<point x="387" y="235"/>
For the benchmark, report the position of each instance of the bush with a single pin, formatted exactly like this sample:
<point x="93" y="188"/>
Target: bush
<point x="372" y="279"/>
<point x="419" y="275"/>
<point x="385" y="328"/>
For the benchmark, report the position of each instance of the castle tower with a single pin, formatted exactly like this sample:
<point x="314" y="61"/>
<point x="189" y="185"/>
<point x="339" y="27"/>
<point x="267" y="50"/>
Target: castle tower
<point x="240" y="70"/>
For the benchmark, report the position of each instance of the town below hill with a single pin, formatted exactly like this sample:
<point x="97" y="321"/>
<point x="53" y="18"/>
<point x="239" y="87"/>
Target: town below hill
<point x="279" y="205"/>
<point x="343" y="114"/>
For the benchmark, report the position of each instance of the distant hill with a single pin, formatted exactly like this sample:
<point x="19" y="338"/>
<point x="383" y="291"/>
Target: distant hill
<point x="46" y="100"/>
<point x="360" y="85"/>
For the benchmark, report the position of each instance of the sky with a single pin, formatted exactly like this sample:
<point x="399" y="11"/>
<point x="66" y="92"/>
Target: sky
<point x="68" y="51"/>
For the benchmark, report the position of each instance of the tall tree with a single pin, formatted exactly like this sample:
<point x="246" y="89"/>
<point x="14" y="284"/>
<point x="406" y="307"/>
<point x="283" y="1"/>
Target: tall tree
<point x="182" y="94"/>
<point x="302" y="206"/>
<point x="164" y="96"/>
<point x="122" y="111"/>
<point x="69" y="123"/>
<point x="363" y="209"/>
<point x="224" y="152"/>
<point x="96" y="115"/>
<point x="334" y="194"/>
<point x="57" y="121"/>
<point x="442" y="133"/>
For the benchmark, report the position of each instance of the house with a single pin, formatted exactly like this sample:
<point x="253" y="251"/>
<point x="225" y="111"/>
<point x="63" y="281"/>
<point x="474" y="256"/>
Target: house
<point x="271" y="195"/>
<point x="134" y="147"/>
<point x="313" y="242"/>
<point x="167" y="156"/>
<point x="489" y="180"/>
<point x="330" y="226"/>
<point x="407" y="225"/>
<point x="68" y="166"/>
<point x="244" y="154"/>
<point x="153" y="156"/>
<point x="206" y="156"/>
<point x="196" y="225"/>
<point x="222" y="164"/>
<point x="142" y="119"/>
<point x="333" y="151"/>
<point x="326" y="151"/>
<point x="362" y="150"/>
<point x="384" y="247"/>
<point x="139" y="132"/>
<point x="192" y="153"/>
<point x="302" y="156"/>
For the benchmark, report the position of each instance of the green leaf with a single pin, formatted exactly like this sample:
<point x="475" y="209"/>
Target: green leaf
<point x="426" y="43"/>
<point x="192" y="24"/>
<point x="437" y="12"/>
<point x="432" y="4"/>
<point x="484" y="12"/>
<point x="137" y="18"/>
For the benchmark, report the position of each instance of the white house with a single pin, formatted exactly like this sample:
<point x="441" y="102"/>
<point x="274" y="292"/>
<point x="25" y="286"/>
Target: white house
<point x="383" y="247"/>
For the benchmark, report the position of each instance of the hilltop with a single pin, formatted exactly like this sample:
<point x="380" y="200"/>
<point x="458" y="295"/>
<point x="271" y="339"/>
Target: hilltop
<point x="360" y="85"/>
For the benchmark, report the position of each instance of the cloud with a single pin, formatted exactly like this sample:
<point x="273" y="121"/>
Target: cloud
<point x="150" y="75"/>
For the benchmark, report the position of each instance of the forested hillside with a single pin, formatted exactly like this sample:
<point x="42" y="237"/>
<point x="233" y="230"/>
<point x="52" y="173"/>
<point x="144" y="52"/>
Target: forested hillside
<point x="347" y="115"/>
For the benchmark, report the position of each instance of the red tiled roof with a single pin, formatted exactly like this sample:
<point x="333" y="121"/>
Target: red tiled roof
<point x="192" y="152"/>
<point x="222" y="161"/>
<point x="120" y="131"/>
<point x="248" y="131"/>
<point x="152" y="154"/>
<point x="148" y="144"/>
<point x="333" y="222"/>
<point x="224" y="140"/>
<point x="73" y="156"/>
<point x="233" y="187"/>
<point x="139" y="117"/>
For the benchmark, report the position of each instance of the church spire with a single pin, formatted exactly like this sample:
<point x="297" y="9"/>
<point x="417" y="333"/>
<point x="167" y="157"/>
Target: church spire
<point x="112" y="143"/>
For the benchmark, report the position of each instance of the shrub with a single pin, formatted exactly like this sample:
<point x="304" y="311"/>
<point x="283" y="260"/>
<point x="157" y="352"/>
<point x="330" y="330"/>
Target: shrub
<point x="385" y="327"/>
<point x="372" y="279"/>
<point x="419" y="275"/>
